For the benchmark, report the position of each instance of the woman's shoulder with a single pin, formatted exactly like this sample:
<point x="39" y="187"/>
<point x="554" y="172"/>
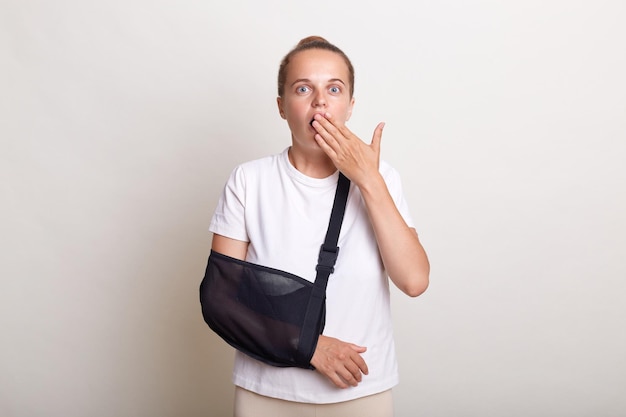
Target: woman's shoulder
<point x="256" y="169"/>
<point x="261" y="163"/>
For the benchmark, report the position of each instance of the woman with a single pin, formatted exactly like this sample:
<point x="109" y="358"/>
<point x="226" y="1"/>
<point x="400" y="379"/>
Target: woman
<point x="274" y="212"/>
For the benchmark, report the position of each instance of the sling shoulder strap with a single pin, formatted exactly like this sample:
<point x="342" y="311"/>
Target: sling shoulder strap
<point x="325" y="266"/>
<point x="329" y="249"/>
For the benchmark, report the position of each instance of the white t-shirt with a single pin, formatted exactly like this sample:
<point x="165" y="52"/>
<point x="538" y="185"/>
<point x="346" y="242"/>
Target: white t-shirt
<point x="284" y="215"/>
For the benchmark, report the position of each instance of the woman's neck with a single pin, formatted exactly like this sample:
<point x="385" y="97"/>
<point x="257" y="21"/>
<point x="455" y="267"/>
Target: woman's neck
<point x="314" y="165"/>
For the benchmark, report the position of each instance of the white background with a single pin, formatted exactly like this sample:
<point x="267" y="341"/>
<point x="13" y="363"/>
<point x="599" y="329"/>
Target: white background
<point x="121" y="120"/>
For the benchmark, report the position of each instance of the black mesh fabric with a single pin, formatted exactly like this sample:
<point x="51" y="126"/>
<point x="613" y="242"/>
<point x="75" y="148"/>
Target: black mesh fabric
<point x="259" y="310"/>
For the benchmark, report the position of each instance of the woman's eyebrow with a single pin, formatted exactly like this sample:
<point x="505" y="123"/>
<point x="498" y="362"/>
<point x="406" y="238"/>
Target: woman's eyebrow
<point x="306" y="80"/>
<point x="301" y="80"/>
<point x="336" y="80"/>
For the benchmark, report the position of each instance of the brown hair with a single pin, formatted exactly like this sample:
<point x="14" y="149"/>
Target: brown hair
<point x="311" y="42"/>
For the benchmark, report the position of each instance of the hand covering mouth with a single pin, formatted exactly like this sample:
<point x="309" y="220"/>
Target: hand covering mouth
<point x="313" y="118"/>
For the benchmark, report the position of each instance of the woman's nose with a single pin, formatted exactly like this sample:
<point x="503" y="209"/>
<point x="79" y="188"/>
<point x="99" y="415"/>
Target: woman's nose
<point x="319" y="99"/>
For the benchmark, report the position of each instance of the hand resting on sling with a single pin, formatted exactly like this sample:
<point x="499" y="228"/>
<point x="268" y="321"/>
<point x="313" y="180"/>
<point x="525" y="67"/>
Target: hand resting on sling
<point x="339" y="361"/>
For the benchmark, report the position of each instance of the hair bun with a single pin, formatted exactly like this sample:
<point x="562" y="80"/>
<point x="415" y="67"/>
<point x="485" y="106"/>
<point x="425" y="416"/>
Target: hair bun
<point x="312" y="39"/>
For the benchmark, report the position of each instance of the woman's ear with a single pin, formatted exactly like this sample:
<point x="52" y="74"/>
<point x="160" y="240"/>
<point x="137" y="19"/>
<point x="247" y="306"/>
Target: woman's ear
<point x="350" y="109"/>
<point x="279" y="102"/>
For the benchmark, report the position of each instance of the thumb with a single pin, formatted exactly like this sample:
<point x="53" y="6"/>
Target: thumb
<point x="357" y="348"/>
<point x="377" y="137"/>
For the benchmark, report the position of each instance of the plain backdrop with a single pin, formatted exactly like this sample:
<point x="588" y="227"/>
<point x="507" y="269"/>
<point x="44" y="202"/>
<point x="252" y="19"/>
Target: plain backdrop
<point x="121" y="120"/>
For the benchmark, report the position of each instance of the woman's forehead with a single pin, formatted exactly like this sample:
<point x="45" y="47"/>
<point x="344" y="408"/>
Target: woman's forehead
<point x="318" y="62"/>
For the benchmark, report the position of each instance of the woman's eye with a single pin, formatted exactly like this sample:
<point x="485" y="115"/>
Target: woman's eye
<point x="335" y="90"/>
<point x="302" y="89"/>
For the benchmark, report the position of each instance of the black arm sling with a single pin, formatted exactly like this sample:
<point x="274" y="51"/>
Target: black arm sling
<point x="272" y="315"/>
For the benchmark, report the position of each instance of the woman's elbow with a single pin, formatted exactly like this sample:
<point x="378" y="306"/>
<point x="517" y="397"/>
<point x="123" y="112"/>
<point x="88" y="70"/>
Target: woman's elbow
<point x="416" y="285"/>
<point x="416" y="289"/>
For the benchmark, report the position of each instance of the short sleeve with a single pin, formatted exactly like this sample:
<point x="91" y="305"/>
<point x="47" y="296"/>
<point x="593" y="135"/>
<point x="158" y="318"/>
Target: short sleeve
<point x="394" y="184"/>
<point x="229" y="217"/>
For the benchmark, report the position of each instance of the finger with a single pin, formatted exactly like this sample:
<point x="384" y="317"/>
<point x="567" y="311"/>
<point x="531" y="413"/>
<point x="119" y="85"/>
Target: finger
<point x="349" y="378"/>
<point x="323" y="143"/>
<point x="325" y="122"/>
<point x="337" y="380"/>
<point x="357" y="348"/>
<point x="359" y="361"/>
<point x="377" y="137"/>
<point x="352" y="373"/>
<point x="327" y="131"/>
<point x="333" y="127"/>
<point x="337" y="128"/>
<point x="328" y="121"/>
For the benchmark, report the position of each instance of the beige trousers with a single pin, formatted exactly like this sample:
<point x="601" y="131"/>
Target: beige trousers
<point x="250" y="404"/>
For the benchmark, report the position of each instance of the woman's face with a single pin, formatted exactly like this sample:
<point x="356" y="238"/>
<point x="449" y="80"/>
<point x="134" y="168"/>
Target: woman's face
<point x="317" y="82"/>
